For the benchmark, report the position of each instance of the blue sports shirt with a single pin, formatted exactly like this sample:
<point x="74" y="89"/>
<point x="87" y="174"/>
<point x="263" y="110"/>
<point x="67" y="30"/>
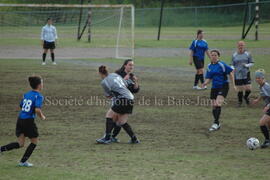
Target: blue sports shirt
<point x="30" y="101"/>
<point x="218" y="72"/>
<point x="199" y="47"/>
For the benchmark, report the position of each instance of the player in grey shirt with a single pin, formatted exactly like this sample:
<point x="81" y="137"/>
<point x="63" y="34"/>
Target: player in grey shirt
<point x="115" y="87"/>
<point x="242" y="61"/>
<point x="264" y="95"/>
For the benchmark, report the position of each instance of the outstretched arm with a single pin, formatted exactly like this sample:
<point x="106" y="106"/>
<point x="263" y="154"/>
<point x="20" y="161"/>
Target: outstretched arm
<point x="39" y="113"/>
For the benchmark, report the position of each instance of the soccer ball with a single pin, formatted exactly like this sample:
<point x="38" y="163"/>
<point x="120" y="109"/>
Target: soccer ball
<point x="253" y="143"/>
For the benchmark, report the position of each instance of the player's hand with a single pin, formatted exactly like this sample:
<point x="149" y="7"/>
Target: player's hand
<point x="203" y="85"/>
<point x="135" y="79"/>
<point x="255" y="101"/>
<point x="126" y="77"/>
<point x="43" y="117"/>
<point x="266" y="108"/>
<point x="235" y="88"/>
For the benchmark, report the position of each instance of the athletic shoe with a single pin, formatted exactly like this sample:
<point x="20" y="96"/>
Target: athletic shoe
<point x="214" y="127"/>
<point x="204" y="87"/>
<point x="54" y="63"/>
<point x="134" y="141"/>
<point x="25" y="164"/>
<point x="197" y="87"/>
<point x="103" y="141"/>
<point x="43" y="63"/>
<point x="114" y="140"/>
<point x="266" y="144"/>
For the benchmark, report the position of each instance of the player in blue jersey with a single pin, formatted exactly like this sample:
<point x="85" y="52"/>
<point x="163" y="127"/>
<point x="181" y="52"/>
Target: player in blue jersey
<point x="218" y="72"/>
<point x="198" y="48"/>
<point x="30" y="106"/>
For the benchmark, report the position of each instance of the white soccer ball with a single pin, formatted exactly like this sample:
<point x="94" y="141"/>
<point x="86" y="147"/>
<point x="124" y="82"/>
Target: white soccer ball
<point x="253" y="143"/>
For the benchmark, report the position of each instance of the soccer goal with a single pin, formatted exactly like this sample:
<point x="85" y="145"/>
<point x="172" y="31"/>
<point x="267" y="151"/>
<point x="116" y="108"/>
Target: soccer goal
<point x="90" y="30"/>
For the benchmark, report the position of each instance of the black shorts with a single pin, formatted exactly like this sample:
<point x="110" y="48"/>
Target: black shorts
<point x="199" y="64"/>
<point x="219" y="92"/>
<point x="123" y="106"/>
<point x="242" y="82"/>
<point x="27" y="127"/>
<point x="48" y="45"/>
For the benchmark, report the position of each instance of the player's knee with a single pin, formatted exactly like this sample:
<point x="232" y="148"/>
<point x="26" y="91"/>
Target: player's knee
<point x="21" y="144"/>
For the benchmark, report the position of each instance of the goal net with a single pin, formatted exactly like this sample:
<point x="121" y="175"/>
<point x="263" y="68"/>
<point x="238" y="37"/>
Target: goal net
<point x="105" y="31"/>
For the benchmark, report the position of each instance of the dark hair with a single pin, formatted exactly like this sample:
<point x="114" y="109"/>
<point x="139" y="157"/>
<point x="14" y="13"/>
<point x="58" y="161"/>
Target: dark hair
<point x="103" y="70"/>
<point x="216" y="51"/>
<point x="49" y="19"/>
<point x="199" y="32"/>
<point x="122" y="69"/>
<point x="34" y="81"/>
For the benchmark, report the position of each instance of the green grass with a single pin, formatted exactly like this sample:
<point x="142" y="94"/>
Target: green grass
<point x="175" y="141"/>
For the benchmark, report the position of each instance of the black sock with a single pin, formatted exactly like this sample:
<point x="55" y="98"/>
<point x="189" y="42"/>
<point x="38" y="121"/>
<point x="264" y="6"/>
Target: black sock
<point x="116" y="130"/>
<point x="197" y="77"/>
<point x="201" y="78"/>
<point x="43" y="57"/>
<point x="247" y="93"/>
<point x="216" y="114"/>
<point x="10" y="146"/>
<point x="240" y="96"/>
<point x="52" y="56"/>
<point x="109" y="128"/>
<point x="129" y="131"/>
<point x="265" y="132"/>
<point x="28" y="152"/>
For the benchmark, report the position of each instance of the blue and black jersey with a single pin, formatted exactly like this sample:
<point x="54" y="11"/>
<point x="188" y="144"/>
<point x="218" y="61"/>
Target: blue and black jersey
<point x="199" y="47"/>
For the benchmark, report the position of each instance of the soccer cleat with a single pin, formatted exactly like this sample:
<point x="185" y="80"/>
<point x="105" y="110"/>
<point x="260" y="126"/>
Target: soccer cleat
<point x="43" y="63"/>
<point x="114" y="140"/>
<point x="103" y="141"/>
<point x="266" y="144"/>
<point x="134" y="141"/>
<point x="54" y="63"/>
<point x="214" y="127"/>
<point x="197" y="87"/>
<point x="25" y="164"/>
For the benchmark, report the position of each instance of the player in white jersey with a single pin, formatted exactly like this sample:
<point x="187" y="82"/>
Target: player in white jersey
<point x="48" y="40"/>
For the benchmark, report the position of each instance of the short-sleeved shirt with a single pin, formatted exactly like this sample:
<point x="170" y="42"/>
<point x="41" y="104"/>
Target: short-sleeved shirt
<point x="218" y="72"/>
<point x="30" y="101"/>
<point x="115" y="86"/>
<point x="238" y="62"/>
<point x="199" y="47"/>
<point x="265" y="92"/>
<point x="49" y="33"/>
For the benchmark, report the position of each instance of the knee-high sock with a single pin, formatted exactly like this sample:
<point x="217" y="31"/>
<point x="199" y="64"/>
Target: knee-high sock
<point x="216" y="113"/>
<point x="201" y="78"/>
<point x="247" y="93"/>
<point x="109" y="127"/>
<point x="196" y="81"/>
<point x="28" y="152"/>
<point x="116" y="130"/>
<point x="10" y="146"/>
<point x="265" y="132"/>
<point x="52" y="56"/>
<point x="240" y="96"/>
<point x="129" y="130"/>
<point x="43" y="57"/>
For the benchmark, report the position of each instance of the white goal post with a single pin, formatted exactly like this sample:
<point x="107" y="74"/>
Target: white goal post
<point x="118" y="46"/>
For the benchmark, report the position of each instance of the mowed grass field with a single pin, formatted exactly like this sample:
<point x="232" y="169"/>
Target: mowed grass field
<point x="172" y="127"/>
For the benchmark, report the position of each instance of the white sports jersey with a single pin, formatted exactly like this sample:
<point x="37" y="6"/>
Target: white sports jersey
<point x="48" y="33"/>
<point x="265" y="92"/>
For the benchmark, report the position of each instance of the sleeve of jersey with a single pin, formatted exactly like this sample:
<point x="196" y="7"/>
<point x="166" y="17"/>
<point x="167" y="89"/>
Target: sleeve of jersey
<point x="228" y="69"/>
<point x="206" y="46"/>
<point x="107" y="92"/>
<point x="192" y="46"/>
<point x="39" y="102"/>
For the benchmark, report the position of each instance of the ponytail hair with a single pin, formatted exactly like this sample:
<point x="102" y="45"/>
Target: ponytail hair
<point x="103" y="70"/>
<point x="199" y="32"/>
<point x="122" y="69"/>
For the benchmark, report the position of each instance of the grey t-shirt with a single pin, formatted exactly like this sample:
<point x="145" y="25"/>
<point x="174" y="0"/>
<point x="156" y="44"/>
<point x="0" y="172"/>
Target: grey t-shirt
<point x="115" y="86"/>
<point x="265" y="93"/>
<point x="239" y="61"/>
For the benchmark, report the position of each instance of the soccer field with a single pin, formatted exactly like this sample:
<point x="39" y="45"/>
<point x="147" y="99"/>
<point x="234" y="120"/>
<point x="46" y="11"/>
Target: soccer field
<point x="175" y="142"/>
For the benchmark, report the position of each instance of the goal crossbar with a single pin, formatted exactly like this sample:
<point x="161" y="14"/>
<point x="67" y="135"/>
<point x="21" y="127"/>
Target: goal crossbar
<point x="70" y="5"/>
